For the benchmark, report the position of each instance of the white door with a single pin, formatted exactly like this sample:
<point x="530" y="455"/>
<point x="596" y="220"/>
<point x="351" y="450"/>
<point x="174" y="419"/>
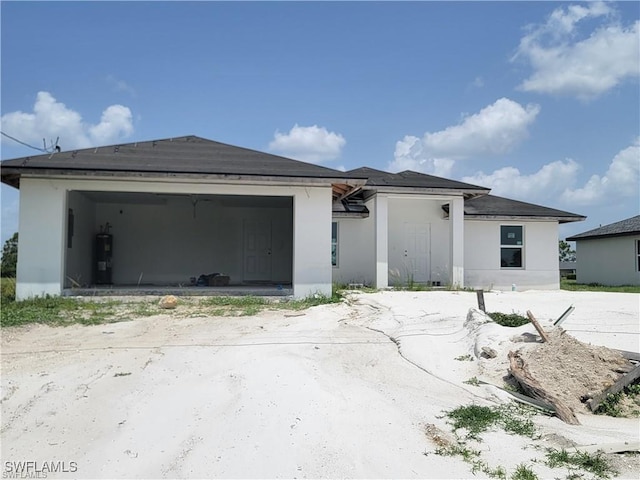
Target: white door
<point x="257" y="250"/>
<point x="416" y="252"/>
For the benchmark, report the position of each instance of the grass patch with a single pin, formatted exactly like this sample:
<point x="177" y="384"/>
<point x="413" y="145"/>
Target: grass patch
<point x="508" y="319"/>
<point x="7" y="289"/>
<point x="571" y="285"/>
<point x="523" y="472"/>
<point x="612" y="404"/>
<point x="592" y="463"/>
<point x="55" y="311"/>
<point x="464" y="358"/>
<point x="58" y="310"/>
<point x="476" y="419"/>
<point x="472" y="381"/>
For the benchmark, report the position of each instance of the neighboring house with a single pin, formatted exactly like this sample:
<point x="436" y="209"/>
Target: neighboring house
<point x="610" y="255"/>
<point x="568" y="268"/>
<point x="165" y="211"/>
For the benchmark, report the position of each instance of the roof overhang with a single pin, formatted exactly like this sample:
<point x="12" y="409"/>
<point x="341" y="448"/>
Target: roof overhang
<point x="370" y="191"/>
<point x="596" y="237"/>
<point x="538" y="218"/>
<point x="11" y="176"/>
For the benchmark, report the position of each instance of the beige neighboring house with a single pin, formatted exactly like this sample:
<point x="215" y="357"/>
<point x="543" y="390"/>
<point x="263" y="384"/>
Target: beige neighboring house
<point x="159" y="215"/>
<point x="609" y="255"/>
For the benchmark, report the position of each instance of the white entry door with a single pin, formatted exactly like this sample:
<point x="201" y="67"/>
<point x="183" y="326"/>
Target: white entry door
<point x="416" y="253"/>
<point x="257" y="250"/>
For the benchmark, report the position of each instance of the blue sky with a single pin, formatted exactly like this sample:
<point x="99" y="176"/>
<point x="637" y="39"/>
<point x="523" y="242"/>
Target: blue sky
<point x="538" y="100"/>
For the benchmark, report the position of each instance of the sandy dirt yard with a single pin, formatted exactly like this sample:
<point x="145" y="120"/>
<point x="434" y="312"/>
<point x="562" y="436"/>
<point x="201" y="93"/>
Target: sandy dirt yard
<point x="351" y="390"/>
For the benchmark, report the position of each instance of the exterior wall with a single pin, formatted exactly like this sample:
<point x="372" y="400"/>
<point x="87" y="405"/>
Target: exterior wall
<point x="43" y="221"/>
<point x="482" y="256"/>
<point x="41" y="225"/>
<point x="405" y="211"/>
<point x="312" y="241"/>
<point x="356" y="256"/>
<point x="608" y="261"/>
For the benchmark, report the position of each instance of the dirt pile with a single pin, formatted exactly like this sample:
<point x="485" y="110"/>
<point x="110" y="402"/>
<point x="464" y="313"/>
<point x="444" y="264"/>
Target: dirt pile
<point x="573" y="371"/>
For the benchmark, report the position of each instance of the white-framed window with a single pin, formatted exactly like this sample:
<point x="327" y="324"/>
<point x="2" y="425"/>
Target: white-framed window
<point x="334" y="244"/>
<point x="511" y="246"/>
<point x="638" y="255"/>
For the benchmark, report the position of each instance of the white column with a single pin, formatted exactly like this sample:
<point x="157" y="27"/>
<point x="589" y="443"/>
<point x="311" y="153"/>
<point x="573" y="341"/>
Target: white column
<point x="312" y="242"/>
<point x="456" y="229"/>
<point x="382" y="240"/>
<point x="41" y="239"/>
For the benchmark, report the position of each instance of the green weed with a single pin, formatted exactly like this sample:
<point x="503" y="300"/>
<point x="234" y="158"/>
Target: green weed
<point x="464" y="358"/>
<point x="476" y="419"/>
<point x="523" y="472"/>
<point x="592" y="463"/>
<point x="594" y="287"/>
<point x="508" y="319"/>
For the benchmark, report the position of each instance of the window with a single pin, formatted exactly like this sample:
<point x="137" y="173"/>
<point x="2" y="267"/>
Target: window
<point x="334" y="244"/>
<point x="638" y="254"/>
<point x="511" y="246"/>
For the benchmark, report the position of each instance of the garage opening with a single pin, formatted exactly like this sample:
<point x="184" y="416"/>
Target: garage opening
<point x="135" y="240"/>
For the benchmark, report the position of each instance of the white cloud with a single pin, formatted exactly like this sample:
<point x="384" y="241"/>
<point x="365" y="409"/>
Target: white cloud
<point x="564" y="63"/>
<point x="120" y="85"/>
<point x="51" y="119"/>
<point x="311" y="144"/>
<point x="550" y="181"/>
<point x="622" y="179"/>
<point x="557" y="180"/>
<point x="496" y="129"/>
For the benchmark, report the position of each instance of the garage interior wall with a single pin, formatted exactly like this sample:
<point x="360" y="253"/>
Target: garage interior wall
<point x="166" y="240"/>
<point x="80" y="248"/>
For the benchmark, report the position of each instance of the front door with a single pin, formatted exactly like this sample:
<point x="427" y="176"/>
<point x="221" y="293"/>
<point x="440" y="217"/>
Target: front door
<point x="257" y="250"/>
<point x="416" y="253"/>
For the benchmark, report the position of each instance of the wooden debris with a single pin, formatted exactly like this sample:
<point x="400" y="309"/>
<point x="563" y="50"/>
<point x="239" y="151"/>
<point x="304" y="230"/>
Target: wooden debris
<point x="489" y="352"/>
<point x="633" y="356"/>
<point x="530" y="385"/>
<point x="544" y="407"/>
<point x="480" y="295"/>
<point x="617" y="447"/>
<point x="533" y="320"/>
<point x="564" y="316"/>
<point x="622" y="382"/>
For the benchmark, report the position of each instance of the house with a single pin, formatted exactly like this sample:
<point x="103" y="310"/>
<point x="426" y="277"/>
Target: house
<point x="609" y="255"/>
<point x="568" y="269"/>
<point x="163" y="212"/>
<point x="426" y="229"/>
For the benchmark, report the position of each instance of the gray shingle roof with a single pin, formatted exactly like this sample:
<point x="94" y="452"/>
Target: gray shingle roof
<point x="629" y="226"/>
<point x="181" y="155"/>
<point x="493" y="206"/>
<point x="408" y="178"/>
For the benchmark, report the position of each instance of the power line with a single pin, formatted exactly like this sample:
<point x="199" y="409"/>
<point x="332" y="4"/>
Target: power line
<point x="54" y="148"/>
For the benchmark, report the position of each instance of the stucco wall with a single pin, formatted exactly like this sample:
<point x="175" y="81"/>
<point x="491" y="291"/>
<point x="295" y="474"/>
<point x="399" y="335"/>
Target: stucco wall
<point x="43" y="212"/>
<point x="356" y="260"/>
<point x="608" y="261"/>
<point x="482" y="256"/>
<point x="418" y="211"/>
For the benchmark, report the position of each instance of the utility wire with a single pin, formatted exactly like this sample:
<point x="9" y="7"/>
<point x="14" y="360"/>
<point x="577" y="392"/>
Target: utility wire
<point x="53" y="147"/>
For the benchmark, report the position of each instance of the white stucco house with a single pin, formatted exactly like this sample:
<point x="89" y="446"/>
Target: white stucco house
<point x="609" y="255"/>
<point x="163" y="212"/>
